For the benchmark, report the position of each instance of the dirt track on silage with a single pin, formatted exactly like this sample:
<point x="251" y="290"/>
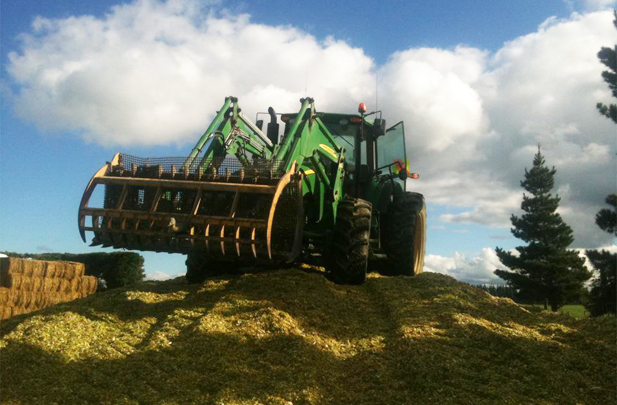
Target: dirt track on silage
<point x="291" y="336"/>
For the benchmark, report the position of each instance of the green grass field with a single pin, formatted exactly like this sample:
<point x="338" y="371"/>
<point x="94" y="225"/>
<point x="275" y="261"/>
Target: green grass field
<point x="576" y="311"/>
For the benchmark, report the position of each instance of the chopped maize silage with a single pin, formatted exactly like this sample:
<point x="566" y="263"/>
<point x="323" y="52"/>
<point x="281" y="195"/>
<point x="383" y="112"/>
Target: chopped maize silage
<point x="291" y="336"/>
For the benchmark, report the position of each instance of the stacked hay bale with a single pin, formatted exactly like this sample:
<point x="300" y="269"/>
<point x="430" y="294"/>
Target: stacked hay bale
<point x="28" y="285"/>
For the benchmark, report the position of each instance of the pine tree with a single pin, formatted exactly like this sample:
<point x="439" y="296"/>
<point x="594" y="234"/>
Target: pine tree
<point x="606" y="218"/>
<point x="608" y="57"/>
<point x="603" y="294"/>
<point x="544" y="270"/>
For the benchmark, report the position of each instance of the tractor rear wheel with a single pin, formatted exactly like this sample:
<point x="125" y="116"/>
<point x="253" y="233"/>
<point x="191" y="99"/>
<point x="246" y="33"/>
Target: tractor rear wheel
<point x="199" y="267"/>
<point x="348" y="252"/>
<point x="404" y="235"/>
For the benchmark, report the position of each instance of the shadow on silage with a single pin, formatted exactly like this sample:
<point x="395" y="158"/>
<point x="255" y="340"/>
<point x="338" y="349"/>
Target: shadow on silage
<point x="295" y="336"/>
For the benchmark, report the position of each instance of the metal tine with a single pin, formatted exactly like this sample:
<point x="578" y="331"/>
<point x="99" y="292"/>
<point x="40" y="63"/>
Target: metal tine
<point x="232" y="214"/>
<point x="238" y="241"/>
<point x="253" y="243"/>
<point x="223" y="240"/>
<point x="159" y="171"/>
<point x="173" y="171"/>
<point x="207" y="235"/>
<point x="185" y="171"/>
<point x="227" y="174"/>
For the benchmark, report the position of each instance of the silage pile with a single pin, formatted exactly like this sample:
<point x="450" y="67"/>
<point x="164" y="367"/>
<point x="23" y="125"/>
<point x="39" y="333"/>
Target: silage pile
<point x="29" y="285"/>
<point x="291" y="336"/>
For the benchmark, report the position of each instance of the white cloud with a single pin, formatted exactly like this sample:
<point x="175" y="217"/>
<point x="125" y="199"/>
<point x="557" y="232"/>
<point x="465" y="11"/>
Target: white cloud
<point x="153" y="73"/>
<point x="159" y="276"/>
<point x="478" y="269"/>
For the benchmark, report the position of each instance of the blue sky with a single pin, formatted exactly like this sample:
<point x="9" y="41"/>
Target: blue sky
<point x="478" y="83"/>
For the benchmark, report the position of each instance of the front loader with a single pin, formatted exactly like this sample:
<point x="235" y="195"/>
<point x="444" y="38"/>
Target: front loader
<point x="330" y="191"/>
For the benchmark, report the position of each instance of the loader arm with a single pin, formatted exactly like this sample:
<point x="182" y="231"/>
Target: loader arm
<point x="230" y="133"/>
<point x="311" y="146"/>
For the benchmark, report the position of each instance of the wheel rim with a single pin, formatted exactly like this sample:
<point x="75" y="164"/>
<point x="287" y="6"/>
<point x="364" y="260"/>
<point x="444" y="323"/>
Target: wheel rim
<point x="419" y="241"/>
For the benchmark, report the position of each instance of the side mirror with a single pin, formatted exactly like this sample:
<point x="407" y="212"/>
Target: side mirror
<point x="379" y="127"/>
<point x="402" y="175"/>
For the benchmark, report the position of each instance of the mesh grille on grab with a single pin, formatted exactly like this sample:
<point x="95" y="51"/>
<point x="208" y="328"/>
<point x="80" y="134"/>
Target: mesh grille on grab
<point x="228" y="168"/>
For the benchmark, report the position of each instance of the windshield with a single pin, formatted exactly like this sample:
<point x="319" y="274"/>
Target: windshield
<point x="344" y="134"/>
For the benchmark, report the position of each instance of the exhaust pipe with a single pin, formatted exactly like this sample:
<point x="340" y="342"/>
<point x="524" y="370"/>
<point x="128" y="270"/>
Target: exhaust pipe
<point x="273" y="127"/>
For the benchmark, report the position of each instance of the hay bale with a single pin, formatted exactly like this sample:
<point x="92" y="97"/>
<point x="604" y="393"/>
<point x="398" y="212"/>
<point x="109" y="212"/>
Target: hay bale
<point x="14" y="281"/>
<point x="40" y="268"/>
<point x="89" y="285"/>
<point x="39" y="300"/>
<point x="27" y="267"/>
<point x="68" y="271"/>
<point x="25" y="284"/>
<point x="5" y="312"/>
<point x="22" y="267"/>
<point x="79" y="269"/>
<point x="37" y="268"/>
<point x="76" y="284"/>
<point x="13" y="298"/>
<point x="94" y="284"/>
<point x="73" y="270"/>
<point x="17" y="310"/>
<point x="54" y="269"/>
<point x="36" y="284"/>
<point x="67" y="296"/>
<point x="23" y="298"/>
<point x="65" y="286"/>
<point x="51" y="284"/>
<point x="9" y="265"/>
<point x="4" y="295"/>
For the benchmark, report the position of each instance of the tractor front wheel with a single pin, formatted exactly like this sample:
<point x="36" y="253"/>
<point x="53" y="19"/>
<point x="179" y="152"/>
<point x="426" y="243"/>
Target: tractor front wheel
<point x="404" y="235"/>
<point x="348" y="251"/>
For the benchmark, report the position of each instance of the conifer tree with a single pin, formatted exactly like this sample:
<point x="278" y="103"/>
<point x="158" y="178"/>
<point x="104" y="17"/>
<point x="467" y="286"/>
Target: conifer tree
<point x="544" y="270"/>
<point x="608" y="57"/>
<point x="603" y="294"/>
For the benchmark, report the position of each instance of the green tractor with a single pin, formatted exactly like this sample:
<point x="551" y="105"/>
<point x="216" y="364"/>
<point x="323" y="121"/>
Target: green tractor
<point x="330" y="191"/>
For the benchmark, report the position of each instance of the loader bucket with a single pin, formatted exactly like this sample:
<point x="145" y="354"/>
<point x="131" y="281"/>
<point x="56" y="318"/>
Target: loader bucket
<point x="251" y="212"/>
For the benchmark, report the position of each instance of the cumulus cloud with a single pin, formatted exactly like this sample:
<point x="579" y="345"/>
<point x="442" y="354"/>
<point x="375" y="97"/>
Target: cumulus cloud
<point x="154" y="73"/>
<point x="159" y="276"/>
<point x="540" y="88"/>
<point x="477" y="269"/>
